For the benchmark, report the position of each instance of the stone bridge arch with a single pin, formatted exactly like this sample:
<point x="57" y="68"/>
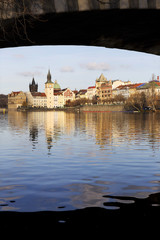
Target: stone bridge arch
<point x="124" y="24"/>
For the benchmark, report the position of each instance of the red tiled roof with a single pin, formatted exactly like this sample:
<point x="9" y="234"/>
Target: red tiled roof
<point x="136" y="85"/>
<point x="75" y="91"/>
<point x="82" y="90"/>
<point x="57" y="93"/>
<point x="38" y="94"/>
<point x="129" y="85"/>
<point x="14" y="93"/>
<point x="91" y="87"/>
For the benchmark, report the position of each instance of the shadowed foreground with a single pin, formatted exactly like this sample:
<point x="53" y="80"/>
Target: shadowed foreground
<point x="139" y="216"/>
<point x="125" y="29"/>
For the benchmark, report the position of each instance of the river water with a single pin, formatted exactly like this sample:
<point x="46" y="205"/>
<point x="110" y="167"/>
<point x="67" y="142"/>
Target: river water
<point x="54" y="161"/>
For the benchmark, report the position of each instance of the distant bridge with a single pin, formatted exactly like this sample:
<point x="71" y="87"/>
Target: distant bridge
<point x="124" y="24"/>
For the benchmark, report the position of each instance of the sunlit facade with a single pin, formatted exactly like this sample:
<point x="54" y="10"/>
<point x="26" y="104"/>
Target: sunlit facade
<point x="16" y="99"/>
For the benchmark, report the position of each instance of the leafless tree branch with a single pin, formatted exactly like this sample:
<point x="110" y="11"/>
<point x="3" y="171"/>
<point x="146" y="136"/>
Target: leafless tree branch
<point x="22" y="12"/>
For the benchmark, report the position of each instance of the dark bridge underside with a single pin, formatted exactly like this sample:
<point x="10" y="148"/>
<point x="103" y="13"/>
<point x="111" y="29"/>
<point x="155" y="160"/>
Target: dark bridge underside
<point x="125" y="29"/>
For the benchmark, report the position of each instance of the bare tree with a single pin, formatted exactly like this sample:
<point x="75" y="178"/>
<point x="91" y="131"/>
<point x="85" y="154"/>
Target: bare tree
<point x="136" y="102"/>
<point x="21" y="12"/>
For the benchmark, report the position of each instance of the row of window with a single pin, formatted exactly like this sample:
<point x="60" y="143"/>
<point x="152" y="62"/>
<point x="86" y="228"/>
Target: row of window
<point x="40" y="101"/>
<point x="106" y="96"/>
<point x="106" y="91"/>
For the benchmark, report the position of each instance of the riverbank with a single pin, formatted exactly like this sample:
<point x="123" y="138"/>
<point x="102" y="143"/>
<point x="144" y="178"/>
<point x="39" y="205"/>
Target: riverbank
<point x="65" y="109"/>
<point x="84" y="108"/>
<point x="102" y="108"/>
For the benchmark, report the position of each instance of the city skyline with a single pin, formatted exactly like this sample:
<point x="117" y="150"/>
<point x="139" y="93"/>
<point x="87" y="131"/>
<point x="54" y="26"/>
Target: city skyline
<point x="72" y="66"/>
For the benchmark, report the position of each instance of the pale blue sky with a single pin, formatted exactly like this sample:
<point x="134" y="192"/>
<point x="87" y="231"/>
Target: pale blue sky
<point x="72" y="66"/>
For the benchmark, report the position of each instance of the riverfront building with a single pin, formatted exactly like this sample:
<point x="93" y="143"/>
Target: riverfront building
<point x="103" y="88"/>
<point x="16" y="99"/>
<point x="91" y="92"/>
<point x="53" y="97"/>
<point x="126" y="90"/>
<point x="49" y="91"/>
<point x="36" y="99"/>
<point x="150" y="88"/>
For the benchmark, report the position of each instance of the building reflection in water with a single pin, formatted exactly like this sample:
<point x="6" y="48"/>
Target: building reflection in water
<point x="106" y="129"/>
<point x="93" y="154"/>
<point x="33" y="135"/>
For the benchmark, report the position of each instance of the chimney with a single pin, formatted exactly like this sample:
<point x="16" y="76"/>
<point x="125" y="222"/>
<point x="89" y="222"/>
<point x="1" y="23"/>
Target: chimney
<point x="158" y="78"/>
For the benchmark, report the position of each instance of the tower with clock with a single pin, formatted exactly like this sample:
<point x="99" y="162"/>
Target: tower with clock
<point x="49" y="91"/>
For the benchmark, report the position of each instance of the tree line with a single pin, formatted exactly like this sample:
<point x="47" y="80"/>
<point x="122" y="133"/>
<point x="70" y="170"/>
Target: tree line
<point x="95" y="100"/>
<point x="3" y="101"/>
<point x="139" y="101"/>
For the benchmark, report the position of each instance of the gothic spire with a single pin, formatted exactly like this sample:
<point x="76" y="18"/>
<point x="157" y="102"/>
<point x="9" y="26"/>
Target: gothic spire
<point x="49" y="77"/>
<point x="33" y="81"/>
<point x="33" y="87"/>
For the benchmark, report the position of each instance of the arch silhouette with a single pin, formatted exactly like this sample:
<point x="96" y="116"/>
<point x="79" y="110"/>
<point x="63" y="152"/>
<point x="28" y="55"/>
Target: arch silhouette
<point x="124" y="24"/>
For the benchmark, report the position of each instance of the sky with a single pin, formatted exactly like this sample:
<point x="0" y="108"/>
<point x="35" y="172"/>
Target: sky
<point x="72" y="66"/>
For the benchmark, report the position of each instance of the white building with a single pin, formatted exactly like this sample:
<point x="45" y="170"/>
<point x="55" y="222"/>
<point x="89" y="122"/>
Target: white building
<point x="49" y="91"/>
<point x="52" y="98"/>
<point x="91" y="92"/>
<point x="36" y="99"/>
<point x="117" y="83"/>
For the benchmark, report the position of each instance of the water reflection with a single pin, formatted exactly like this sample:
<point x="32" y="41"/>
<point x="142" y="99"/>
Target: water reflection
<point x="56" y="160"/>
<point x="104" y="128"/>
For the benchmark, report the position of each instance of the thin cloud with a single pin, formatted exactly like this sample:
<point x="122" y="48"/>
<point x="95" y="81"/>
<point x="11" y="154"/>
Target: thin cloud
<point x="96" y="66"/>
<point x="67" y="69"/>
<point x="30" y="74"/>
<point x="18" y="56"/>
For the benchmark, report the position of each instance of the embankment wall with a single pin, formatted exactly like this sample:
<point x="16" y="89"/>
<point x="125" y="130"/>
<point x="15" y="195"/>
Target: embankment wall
<point x="102" y="108"/>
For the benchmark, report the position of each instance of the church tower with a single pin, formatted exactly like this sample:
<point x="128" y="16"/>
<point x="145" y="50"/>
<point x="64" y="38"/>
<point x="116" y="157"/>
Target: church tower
<point x="33" y="87"/>
<point x="49" y="91"/>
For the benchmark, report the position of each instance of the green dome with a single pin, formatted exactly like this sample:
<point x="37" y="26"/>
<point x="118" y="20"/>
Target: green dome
<point x="56" y="86"/>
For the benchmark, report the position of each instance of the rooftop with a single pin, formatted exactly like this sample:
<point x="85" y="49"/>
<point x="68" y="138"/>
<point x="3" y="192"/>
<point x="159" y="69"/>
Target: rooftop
<point x="91" y="87"/>
<point x="131" y="86"/>
<point x="56" y="86"/>
<point x="38" y="94"/>
<point x="150" y="84"/>
<point x="14" y="93"/>
<point x="101" y="78"/>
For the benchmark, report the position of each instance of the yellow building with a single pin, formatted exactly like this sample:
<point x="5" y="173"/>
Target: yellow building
<point x="58" y="99"/>
<point x="62" y="96"/>
<point x="103" y="88"/>
<point x="82" y="94"/>
<point x="16" y="99"/>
